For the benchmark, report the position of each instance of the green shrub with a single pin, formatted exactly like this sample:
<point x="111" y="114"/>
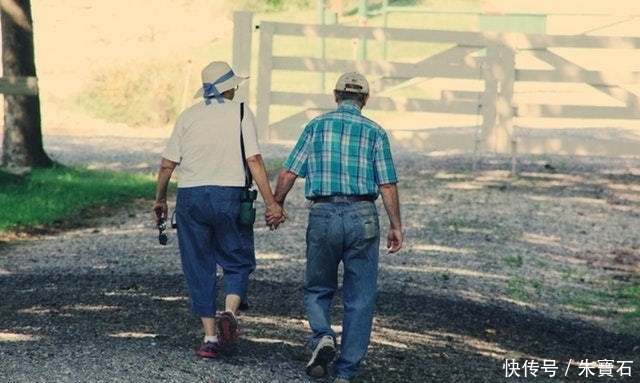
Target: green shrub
<point x="145" y="96"/>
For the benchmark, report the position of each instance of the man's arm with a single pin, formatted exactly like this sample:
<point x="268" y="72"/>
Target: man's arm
<point x="286" y="179"/>
<point x="164" y="175"/>
<point x="391" y="202"/>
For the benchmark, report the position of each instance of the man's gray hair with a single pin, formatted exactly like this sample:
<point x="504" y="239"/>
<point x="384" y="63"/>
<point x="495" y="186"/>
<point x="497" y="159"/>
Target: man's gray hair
<point x="342" y="96"/>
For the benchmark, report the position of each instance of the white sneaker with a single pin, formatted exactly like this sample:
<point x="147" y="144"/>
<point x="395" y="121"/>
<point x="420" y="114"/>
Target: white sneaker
<point x="323" y="354"/>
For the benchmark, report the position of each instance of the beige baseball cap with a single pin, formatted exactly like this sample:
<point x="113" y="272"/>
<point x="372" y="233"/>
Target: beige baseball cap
<point x="352" y="82"/>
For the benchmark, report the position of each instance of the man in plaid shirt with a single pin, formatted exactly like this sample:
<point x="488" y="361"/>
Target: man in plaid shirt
<point x="346" y="160"/>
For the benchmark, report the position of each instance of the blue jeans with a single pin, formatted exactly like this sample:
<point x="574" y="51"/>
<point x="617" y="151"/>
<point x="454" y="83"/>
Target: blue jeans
<point x="209" y="235"/>
<point x="347" y="233"/>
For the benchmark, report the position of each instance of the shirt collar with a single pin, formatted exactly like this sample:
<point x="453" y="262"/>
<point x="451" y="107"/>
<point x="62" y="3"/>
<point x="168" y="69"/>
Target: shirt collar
<point x="349" y="106"/>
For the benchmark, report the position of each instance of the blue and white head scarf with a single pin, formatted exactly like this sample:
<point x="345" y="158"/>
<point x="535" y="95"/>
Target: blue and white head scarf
<point x="210" y="90"/>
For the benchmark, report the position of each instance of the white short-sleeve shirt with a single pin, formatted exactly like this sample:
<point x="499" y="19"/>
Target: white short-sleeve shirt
<point x="205" y="142"/>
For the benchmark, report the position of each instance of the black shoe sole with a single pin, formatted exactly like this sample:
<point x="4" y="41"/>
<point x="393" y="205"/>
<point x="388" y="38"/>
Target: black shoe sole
<point x="318" y="367"/>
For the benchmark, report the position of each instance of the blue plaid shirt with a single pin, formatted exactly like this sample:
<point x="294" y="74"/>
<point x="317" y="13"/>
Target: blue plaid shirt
<point x="342" y="153"/>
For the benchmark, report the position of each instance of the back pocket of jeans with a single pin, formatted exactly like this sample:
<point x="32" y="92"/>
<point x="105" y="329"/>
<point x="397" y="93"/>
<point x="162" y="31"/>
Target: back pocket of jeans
<point x="371" y="228"/>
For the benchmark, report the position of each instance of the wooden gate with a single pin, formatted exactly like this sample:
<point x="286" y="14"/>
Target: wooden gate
<point x="476" y="92"/>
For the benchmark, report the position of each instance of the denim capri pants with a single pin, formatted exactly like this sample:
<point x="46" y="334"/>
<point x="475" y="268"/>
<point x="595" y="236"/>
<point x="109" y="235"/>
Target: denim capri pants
<point x="209" y="236"/>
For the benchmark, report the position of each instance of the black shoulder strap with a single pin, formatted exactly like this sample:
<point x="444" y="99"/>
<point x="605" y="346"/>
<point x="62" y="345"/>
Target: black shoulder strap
<point x="247" y="173"/>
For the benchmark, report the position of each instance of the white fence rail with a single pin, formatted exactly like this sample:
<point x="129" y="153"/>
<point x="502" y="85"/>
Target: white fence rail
<point x="497" y="92"/>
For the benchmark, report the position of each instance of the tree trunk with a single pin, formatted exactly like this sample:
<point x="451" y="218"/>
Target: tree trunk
<point x="22" y="145"/>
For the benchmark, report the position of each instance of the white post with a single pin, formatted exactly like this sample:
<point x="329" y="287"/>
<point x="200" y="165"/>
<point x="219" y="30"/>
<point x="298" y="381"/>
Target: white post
<point x="263" y="93"/>
<point x="488" y="100"/>
<point x="497" y="127"/>
<point x="506" y="104"/>
<point x="241" y="56"/>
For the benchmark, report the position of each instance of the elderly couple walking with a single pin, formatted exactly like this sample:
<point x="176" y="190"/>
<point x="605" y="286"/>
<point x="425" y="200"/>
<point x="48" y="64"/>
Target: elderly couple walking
<point x="346" y="161"/>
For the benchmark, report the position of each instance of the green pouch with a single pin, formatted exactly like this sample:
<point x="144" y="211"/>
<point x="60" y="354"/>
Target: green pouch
<point x="247" y="210"/>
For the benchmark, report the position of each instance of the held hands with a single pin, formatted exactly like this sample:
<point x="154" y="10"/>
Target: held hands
<point x="274" y="215"/>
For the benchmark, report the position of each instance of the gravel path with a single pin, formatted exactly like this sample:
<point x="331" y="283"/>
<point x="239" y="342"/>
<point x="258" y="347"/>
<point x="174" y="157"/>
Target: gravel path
<point x="107" y="303"/>
<point x="493" y="268"/>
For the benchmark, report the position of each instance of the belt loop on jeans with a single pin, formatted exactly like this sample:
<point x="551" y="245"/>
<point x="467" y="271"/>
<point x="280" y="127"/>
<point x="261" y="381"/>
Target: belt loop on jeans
<point x="344" y="198"/>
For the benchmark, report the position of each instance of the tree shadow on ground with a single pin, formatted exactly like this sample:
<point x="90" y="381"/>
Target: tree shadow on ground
<point x="417" y="338"/>
<point x="470" y="341"/>
<point x="440" y="338"/>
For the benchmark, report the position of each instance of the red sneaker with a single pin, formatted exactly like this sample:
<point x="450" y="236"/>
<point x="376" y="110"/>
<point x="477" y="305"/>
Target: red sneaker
<point x="208" y="350"/>
<point x="228" y="333"/>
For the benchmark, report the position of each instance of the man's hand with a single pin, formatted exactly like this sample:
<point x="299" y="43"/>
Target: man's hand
<point x="394" y="241"/>
<point x="391" y="202"/>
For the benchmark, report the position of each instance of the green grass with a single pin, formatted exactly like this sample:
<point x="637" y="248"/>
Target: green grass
<point x="620" y="299"/>
<point x="63" y="195"/>
<point x="514" y="261"/>
<point x="523" y="289"/>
